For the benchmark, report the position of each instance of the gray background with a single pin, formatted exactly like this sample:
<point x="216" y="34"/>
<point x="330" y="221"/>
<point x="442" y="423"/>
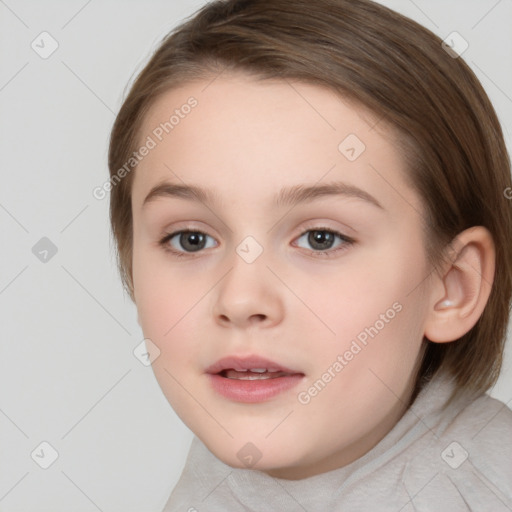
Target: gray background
<point x="68" y="375"/>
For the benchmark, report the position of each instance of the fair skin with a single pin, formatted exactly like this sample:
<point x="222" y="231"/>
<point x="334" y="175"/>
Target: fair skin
<point x="243" y="142"/>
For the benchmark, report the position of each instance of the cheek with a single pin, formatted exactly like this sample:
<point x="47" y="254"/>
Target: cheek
<point x="166" y="308"/>
<point x="376" y="312"/>
<point x="361" y="374"/>
<point x="373" y="295"/>
<point x="165" y="295"/>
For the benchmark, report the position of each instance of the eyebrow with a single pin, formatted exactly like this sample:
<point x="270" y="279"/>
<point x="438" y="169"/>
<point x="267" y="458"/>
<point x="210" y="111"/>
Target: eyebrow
<point x="290" y="196"/>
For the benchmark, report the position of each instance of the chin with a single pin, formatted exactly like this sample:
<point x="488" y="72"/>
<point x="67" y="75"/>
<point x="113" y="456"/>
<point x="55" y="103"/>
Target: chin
<point x="248" y="455"/>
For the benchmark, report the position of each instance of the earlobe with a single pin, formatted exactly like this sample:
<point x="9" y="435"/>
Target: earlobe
<point x="463" y="289"/>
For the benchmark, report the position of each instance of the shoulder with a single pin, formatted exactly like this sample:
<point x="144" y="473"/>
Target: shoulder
<point x="469" y="456"/>
<point x="488" y="416"/>
<point x="485" y="428"/>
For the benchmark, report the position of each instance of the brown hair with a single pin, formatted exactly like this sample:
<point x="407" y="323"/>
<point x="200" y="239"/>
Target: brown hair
<point x="397" y="69"/>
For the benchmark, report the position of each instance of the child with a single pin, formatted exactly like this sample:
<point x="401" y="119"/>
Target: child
<point x="309" y="202"/>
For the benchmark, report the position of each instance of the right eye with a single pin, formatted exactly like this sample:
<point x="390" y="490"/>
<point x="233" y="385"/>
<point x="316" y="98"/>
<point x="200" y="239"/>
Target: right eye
<point x="185" y="242"/>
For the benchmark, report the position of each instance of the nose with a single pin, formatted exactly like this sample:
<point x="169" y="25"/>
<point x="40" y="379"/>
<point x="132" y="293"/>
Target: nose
<point x="248" y="295"/>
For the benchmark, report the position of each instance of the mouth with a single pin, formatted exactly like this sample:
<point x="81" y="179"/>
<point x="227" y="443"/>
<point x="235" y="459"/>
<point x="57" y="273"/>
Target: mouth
<point x="256" y="365"/>
<point x="252" y="374"/>
<point x="251" y="379"/>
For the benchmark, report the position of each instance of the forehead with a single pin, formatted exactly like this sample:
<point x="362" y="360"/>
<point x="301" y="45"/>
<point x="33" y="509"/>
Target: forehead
<point x="246" y="138"/>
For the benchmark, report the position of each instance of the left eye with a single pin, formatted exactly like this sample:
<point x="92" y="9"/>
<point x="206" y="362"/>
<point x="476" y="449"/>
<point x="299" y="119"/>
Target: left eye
<point x="321" y="239"/>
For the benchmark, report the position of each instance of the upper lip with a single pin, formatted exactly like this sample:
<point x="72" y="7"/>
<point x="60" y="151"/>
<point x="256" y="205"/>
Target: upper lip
<point x="241" y="363"/>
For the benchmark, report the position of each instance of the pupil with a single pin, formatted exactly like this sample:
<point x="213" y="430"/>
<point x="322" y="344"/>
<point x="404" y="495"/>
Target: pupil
<point x="192" y="241"/>
<point x="322" y="238"/>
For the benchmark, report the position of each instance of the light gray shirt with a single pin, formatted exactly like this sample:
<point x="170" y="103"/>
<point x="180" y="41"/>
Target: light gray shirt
<point x="459" y="459"/>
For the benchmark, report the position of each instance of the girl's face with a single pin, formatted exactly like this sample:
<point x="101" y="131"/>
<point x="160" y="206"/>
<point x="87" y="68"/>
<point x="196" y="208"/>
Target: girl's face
<point x="330" y="284"/>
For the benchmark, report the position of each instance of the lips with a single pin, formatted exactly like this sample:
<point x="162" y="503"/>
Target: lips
<point x="252" y="379"/>
<point x="249" y="367"/>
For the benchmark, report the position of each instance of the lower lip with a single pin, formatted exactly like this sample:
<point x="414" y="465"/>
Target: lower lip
<point x="251" y="391"/>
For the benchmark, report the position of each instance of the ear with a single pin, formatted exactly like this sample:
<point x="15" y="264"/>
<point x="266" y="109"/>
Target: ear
<point x="461" y="290"/>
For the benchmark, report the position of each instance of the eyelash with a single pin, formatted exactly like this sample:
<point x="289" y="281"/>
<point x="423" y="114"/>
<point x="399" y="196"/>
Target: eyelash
<point x="326" y="254"/>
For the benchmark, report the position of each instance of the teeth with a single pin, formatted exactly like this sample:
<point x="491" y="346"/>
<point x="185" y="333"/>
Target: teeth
<point x="255" y="370"/>
<point x="251" y="377"/>
<point x="253" y="374"/>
